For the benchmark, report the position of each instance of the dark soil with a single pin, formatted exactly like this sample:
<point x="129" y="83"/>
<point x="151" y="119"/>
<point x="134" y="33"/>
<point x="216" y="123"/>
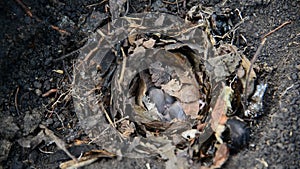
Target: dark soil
<point x="31" y="49"/>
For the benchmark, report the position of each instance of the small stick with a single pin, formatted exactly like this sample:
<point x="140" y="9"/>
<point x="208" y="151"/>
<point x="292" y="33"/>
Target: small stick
<point x="60" y="30"/>
<point x="96" y="4"/>
<point x="173" y="3"/>
<point x="276" y="29"/>
<point x="16" y="101"/>
<point x="28" y="12"/>
<point x="107" y="115"/>
<point x="60" y="143"/>
<point x="251" y="66"/>
<point x="122" y="119"/>
<point x="49" y="92"/>
<point x="123" y="67"/>
<point x="263" y="40"/>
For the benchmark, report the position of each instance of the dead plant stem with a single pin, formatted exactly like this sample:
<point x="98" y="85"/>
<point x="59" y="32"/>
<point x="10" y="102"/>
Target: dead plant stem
<point x="263" y="40"/>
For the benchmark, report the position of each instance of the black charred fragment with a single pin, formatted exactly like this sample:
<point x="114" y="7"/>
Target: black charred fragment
<point x="239" y="133"/>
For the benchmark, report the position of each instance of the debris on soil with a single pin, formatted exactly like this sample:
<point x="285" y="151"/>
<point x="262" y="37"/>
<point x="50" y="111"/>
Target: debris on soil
<point x="191" y="101"/>
<point x="86" y="159"/>
<point x="160" y="80"/>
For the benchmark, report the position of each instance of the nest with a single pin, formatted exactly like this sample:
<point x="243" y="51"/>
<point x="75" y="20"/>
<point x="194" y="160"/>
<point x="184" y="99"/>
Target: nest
<point x="154" y="85"/>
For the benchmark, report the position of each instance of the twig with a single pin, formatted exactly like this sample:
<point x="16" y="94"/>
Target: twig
<point x="122" y="119"/>
<point x="46" y="152"/>
<point x="276" y="29"/>
<point x="173" y="3"/>
<point x="60" y="143"/>
<point x="251" y="66"/>
<point x="49" y="92"/>
<point x="67" y="55"/>
<point x="285" y="91"/>
<point x="107" y="115"/>
<point x="58" y="100"/>
<point x="16" y="101"/>
<point x="28" y="12"/>
<point x="62" y="123"/>
<point x="123" y="67"/>
<point x="127" y="8"/>
<point x="96" y="4"/>
<point x="90" y="54"/>
<point x="263" y="40"/>
<point x="60" y="30"/>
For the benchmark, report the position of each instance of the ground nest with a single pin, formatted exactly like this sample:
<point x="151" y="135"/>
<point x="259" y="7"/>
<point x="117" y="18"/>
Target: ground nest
<point x="153" y="85"/>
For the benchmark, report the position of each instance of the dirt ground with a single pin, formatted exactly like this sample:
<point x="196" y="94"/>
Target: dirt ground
<point x="31" y="48"/>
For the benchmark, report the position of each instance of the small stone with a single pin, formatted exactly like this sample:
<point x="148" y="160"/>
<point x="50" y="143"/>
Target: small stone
<point x="46" y="85"/>
<point x="49" y="121"/>
<point x="4" y="149"/>
<point x="48" y="61"/>
<point x="31" y="121"/>
<point x="291" y="148"/>
<point x="294" y="76"/>
<point x="10" y="127"/>
<point x="38" y="92"/>
<point x="37" y="84"/>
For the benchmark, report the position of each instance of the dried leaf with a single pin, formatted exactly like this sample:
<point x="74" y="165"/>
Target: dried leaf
<point x="138" y="42"/>
<point x="167" y="152"/>
<point x="126" y="128"/>
<point x="242" y="74"/>
<point x="131" y="38"/>
<point x="149" y="43"/>
<point x="218" y="114"/>
<point x="191" y="109"/>
<point x="171" y="87"/>
<point x="174" y="46"/>
<point x="139" y="49"/>
<point x="221" y="156"/>
<point x="220" y="67"/>
<point x="246" y="65"/>
<point x="188" y="93"/>
<point x="116" y="7"/>
<point x="159" y="74"/>
<point x="157" y="125"/>
<point x="141" y="92"/>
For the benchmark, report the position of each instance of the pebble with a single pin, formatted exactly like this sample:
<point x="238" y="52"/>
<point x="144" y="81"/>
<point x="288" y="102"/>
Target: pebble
<point x="291" y="147"/>
<point x="38" y="92"/>
<point x="5" y="146"/>
<point x="294" y="76"/>
<point x="46" y="85"/>
<point x="48" y="61"/>
<point x="31" y="121"/>
<point x="37" y="84"/>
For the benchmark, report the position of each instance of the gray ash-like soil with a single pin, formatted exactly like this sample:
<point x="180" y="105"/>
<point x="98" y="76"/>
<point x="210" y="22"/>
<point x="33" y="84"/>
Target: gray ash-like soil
<point x="30" y="50"/>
